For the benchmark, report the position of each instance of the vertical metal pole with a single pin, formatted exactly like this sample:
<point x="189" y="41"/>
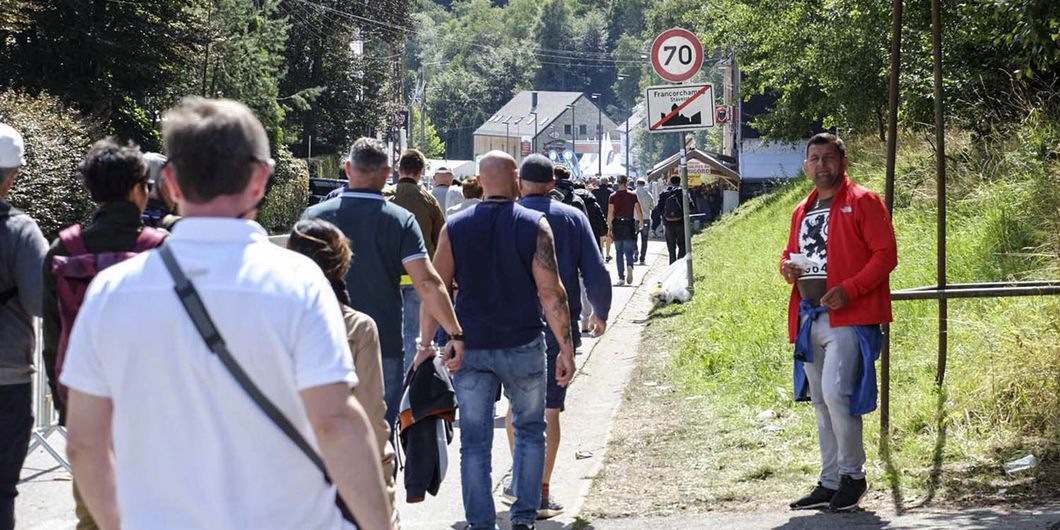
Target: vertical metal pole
<point x="535" y="132"/>
<point x="940" y="189"/>
<point x="423" y="117"/>
<point x="684" y="205"/>
<point x="309" y="156"/>
<point x="627" y="144"/>
<point x="206" y="51"/>
<point x="573" y="134"/>
<point x="600" y="137"/>
<point x="892" y="146"/>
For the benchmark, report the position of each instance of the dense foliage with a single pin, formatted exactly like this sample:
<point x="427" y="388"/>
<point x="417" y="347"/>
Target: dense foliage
<point x="48" y="187"/>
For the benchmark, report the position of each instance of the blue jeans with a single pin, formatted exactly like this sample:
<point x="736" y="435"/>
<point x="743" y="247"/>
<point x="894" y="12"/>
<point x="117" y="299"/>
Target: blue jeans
<point x="522" y="372"/>
<point x="393" y="386"/>
<point x="644" y="242"/>
<point x="625" y="249"/>
<point x="410" y="322"/>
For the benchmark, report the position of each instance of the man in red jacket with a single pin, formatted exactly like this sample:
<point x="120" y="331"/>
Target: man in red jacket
<point x="840" y="251"/>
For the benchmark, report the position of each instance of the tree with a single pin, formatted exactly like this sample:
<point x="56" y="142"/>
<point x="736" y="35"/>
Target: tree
<point x="554" y="33"/>
<point x="432" y="147"/>
<point x="113" y="61"/>
<point x="244" y="58"/>
<point x="344" y="64"/>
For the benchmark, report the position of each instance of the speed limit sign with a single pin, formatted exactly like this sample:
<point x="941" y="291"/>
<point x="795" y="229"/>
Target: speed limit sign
<point x="676" y="55"/>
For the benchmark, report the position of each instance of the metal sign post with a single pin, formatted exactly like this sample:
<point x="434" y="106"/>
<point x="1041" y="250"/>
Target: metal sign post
<point x="677" y="56"/>
<point x="686" y="214"/>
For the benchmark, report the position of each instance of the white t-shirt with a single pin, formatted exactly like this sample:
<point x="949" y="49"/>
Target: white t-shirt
<point x="192" y="449"/>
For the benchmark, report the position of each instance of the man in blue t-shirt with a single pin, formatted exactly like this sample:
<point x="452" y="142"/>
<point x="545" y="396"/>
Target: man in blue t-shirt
<point x="386" y="243"/>
<point x="502" y="256"/>
<point x="577" y="254"/>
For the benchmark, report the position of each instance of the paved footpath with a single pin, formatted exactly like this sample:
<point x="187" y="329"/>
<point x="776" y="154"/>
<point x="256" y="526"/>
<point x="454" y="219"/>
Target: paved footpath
<point x="604" y="366"/>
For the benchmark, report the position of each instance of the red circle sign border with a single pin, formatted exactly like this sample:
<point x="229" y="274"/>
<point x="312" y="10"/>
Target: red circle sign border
<point x="697" y="48"/>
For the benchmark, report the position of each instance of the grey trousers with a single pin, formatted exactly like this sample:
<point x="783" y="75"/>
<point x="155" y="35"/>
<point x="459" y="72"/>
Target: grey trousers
<point x="832" y="374"/>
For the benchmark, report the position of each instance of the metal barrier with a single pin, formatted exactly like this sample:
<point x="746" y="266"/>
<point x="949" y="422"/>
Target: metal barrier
<point x="941" y="291"/>
<point x="46" y="421"/>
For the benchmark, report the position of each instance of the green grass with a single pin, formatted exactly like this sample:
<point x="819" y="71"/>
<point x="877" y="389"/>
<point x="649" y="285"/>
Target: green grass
<point x="1000" y="400"/>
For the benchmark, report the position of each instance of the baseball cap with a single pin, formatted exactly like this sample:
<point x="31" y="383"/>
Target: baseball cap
<point x="443" y="169"/>
<point x="12" y="147"/>
<point x="154" y="161"/>
<point x="536" y="168"/>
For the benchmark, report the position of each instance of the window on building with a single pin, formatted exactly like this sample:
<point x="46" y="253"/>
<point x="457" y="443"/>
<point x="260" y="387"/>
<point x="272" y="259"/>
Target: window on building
<point x="566" y="129"/>
<point x="583" y="129"/>
<point x="599" y="130"/>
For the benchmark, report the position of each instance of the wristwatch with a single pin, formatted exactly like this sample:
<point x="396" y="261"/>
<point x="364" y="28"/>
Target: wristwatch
<point x="457" y="336"/>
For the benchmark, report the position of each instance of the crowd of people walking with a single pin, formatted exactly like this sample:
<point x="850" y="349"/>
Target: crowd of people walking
<point x="209" y="378"/>
<point x="274" y="400"/>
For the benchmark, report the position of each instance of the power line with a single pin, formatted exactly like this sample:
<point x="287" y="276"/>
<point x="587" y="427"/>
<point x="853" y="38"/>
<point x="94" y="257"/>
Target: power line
<point x="402" y="29"/>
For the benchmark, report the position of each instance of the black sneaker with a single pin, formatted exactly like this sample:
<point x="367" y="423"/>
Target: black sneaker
<point x="818" y="498"/>
<point x="549" y="508"/>
<point x="507" y="490"/>
<point x="850" y="492"/>
<point x="522" y="527"/>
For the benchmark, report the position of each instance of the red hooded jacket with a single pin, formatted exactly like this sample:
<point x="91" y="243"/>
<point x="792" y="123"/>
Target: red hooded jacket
<point x="862" y="252"/>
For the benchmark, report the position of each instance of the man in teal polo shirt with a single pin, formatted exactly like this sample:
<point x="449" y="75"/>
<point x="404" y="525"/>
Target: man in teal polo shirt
<point x="386" y="243"/>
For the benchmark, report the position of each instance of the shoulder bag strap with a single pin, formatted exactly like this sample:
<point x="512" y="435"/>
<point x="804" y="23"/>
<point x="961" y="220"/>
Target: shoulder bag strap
<point x="189" y="298"/>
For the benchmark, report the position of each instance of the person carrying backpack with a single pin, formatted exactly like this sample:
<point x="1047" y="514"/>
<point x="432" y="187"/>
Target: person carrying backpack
<point x="116" y="177"/>
<point x="673" y="218"/>
<point x="577" y="196"/>
<point x="22" y="247"/>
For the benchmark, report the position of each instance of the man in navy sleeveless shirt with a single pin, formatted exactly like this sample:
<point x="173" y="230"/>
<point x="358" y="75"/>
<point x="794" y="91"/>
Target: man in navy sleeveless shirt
<point x="577" y="255"/>
<point x="502" y="256"/>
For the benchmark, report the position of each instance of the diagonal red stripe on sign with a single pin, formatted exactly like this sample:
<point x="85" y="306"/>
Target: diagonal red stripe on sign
<point x="680" y="107"/>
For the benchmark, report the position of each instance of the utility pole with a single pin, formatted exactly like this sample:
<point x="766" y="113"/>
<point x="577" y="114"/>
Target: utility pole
<point x="533" y="111"/>
<point x="687" y="214"/>
<point x="206" y="52"/>
<point x="599" y="136"/>
<point x="726" y="102"/>
<point x="627" y="143"/>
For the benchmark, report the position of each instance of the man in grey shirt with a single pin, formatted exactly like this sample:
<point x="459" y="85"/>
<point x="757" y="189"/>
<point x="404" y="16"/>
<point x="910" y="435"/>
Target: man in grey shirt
<point x="22" y="249"/>
<point x="444" y="190"/>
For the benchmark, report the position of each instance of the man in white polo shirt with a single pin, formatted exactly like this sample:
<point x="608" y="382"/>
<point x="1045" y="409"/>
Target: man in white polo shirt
<point x="193" y="449"/>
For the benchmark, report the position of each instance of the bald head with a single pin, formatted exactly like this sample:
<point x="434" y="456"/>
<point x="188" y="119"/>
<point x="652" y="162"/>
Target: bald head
<point x="497" y="175"/>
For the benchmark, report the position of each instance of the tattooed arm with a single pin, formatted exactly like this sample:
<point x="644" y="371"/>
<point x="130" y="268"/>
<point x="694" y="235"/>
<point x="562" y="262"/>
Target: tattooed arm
<point x="554" y="301"/>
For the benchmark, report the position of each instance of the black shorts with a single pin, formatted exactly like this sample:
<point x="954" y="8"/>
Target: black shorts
<point x="555" y="395"/>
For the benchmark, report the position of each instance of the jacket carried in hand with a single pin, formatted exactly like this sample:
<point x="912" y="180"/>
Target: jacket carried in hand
<point x="426" y="416"/>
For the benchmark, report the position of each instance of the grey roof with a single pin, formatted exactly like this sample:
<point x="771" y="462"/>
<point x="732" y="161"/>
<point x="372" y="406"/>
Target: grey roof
<point x="516" y="112"/>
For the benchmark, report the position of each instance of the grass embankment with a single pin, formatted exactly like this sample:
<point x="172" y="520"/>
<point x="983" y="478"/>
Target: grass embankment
<point x="710" y="420"/>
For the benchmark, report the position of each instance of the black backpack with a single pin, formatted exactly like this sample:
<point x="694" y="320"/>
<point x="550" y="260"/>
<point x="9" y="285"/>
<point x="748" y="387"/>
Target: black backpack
<point x="596" y="216"/>
<point x="672" y="208"/>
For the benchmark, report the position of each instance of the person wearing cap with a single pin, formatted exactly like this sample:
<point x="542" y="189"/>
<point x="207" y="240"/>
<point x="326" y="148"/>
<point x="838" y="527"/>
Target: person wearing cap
<point x="577" y="254"/>
<point x="161" y="209"/>
<point x="444" y="190"/>
<point x="387" y="242"/>
<point x="22" y="249"/>
<point x="503" y="257"/>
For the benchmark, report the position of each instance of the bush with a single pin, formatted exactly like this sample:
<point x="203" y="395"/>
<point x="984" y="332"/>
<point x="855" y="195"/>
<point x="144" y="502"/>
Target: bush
<point x="288" y="193"/>
<point x="57" y="138"/>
